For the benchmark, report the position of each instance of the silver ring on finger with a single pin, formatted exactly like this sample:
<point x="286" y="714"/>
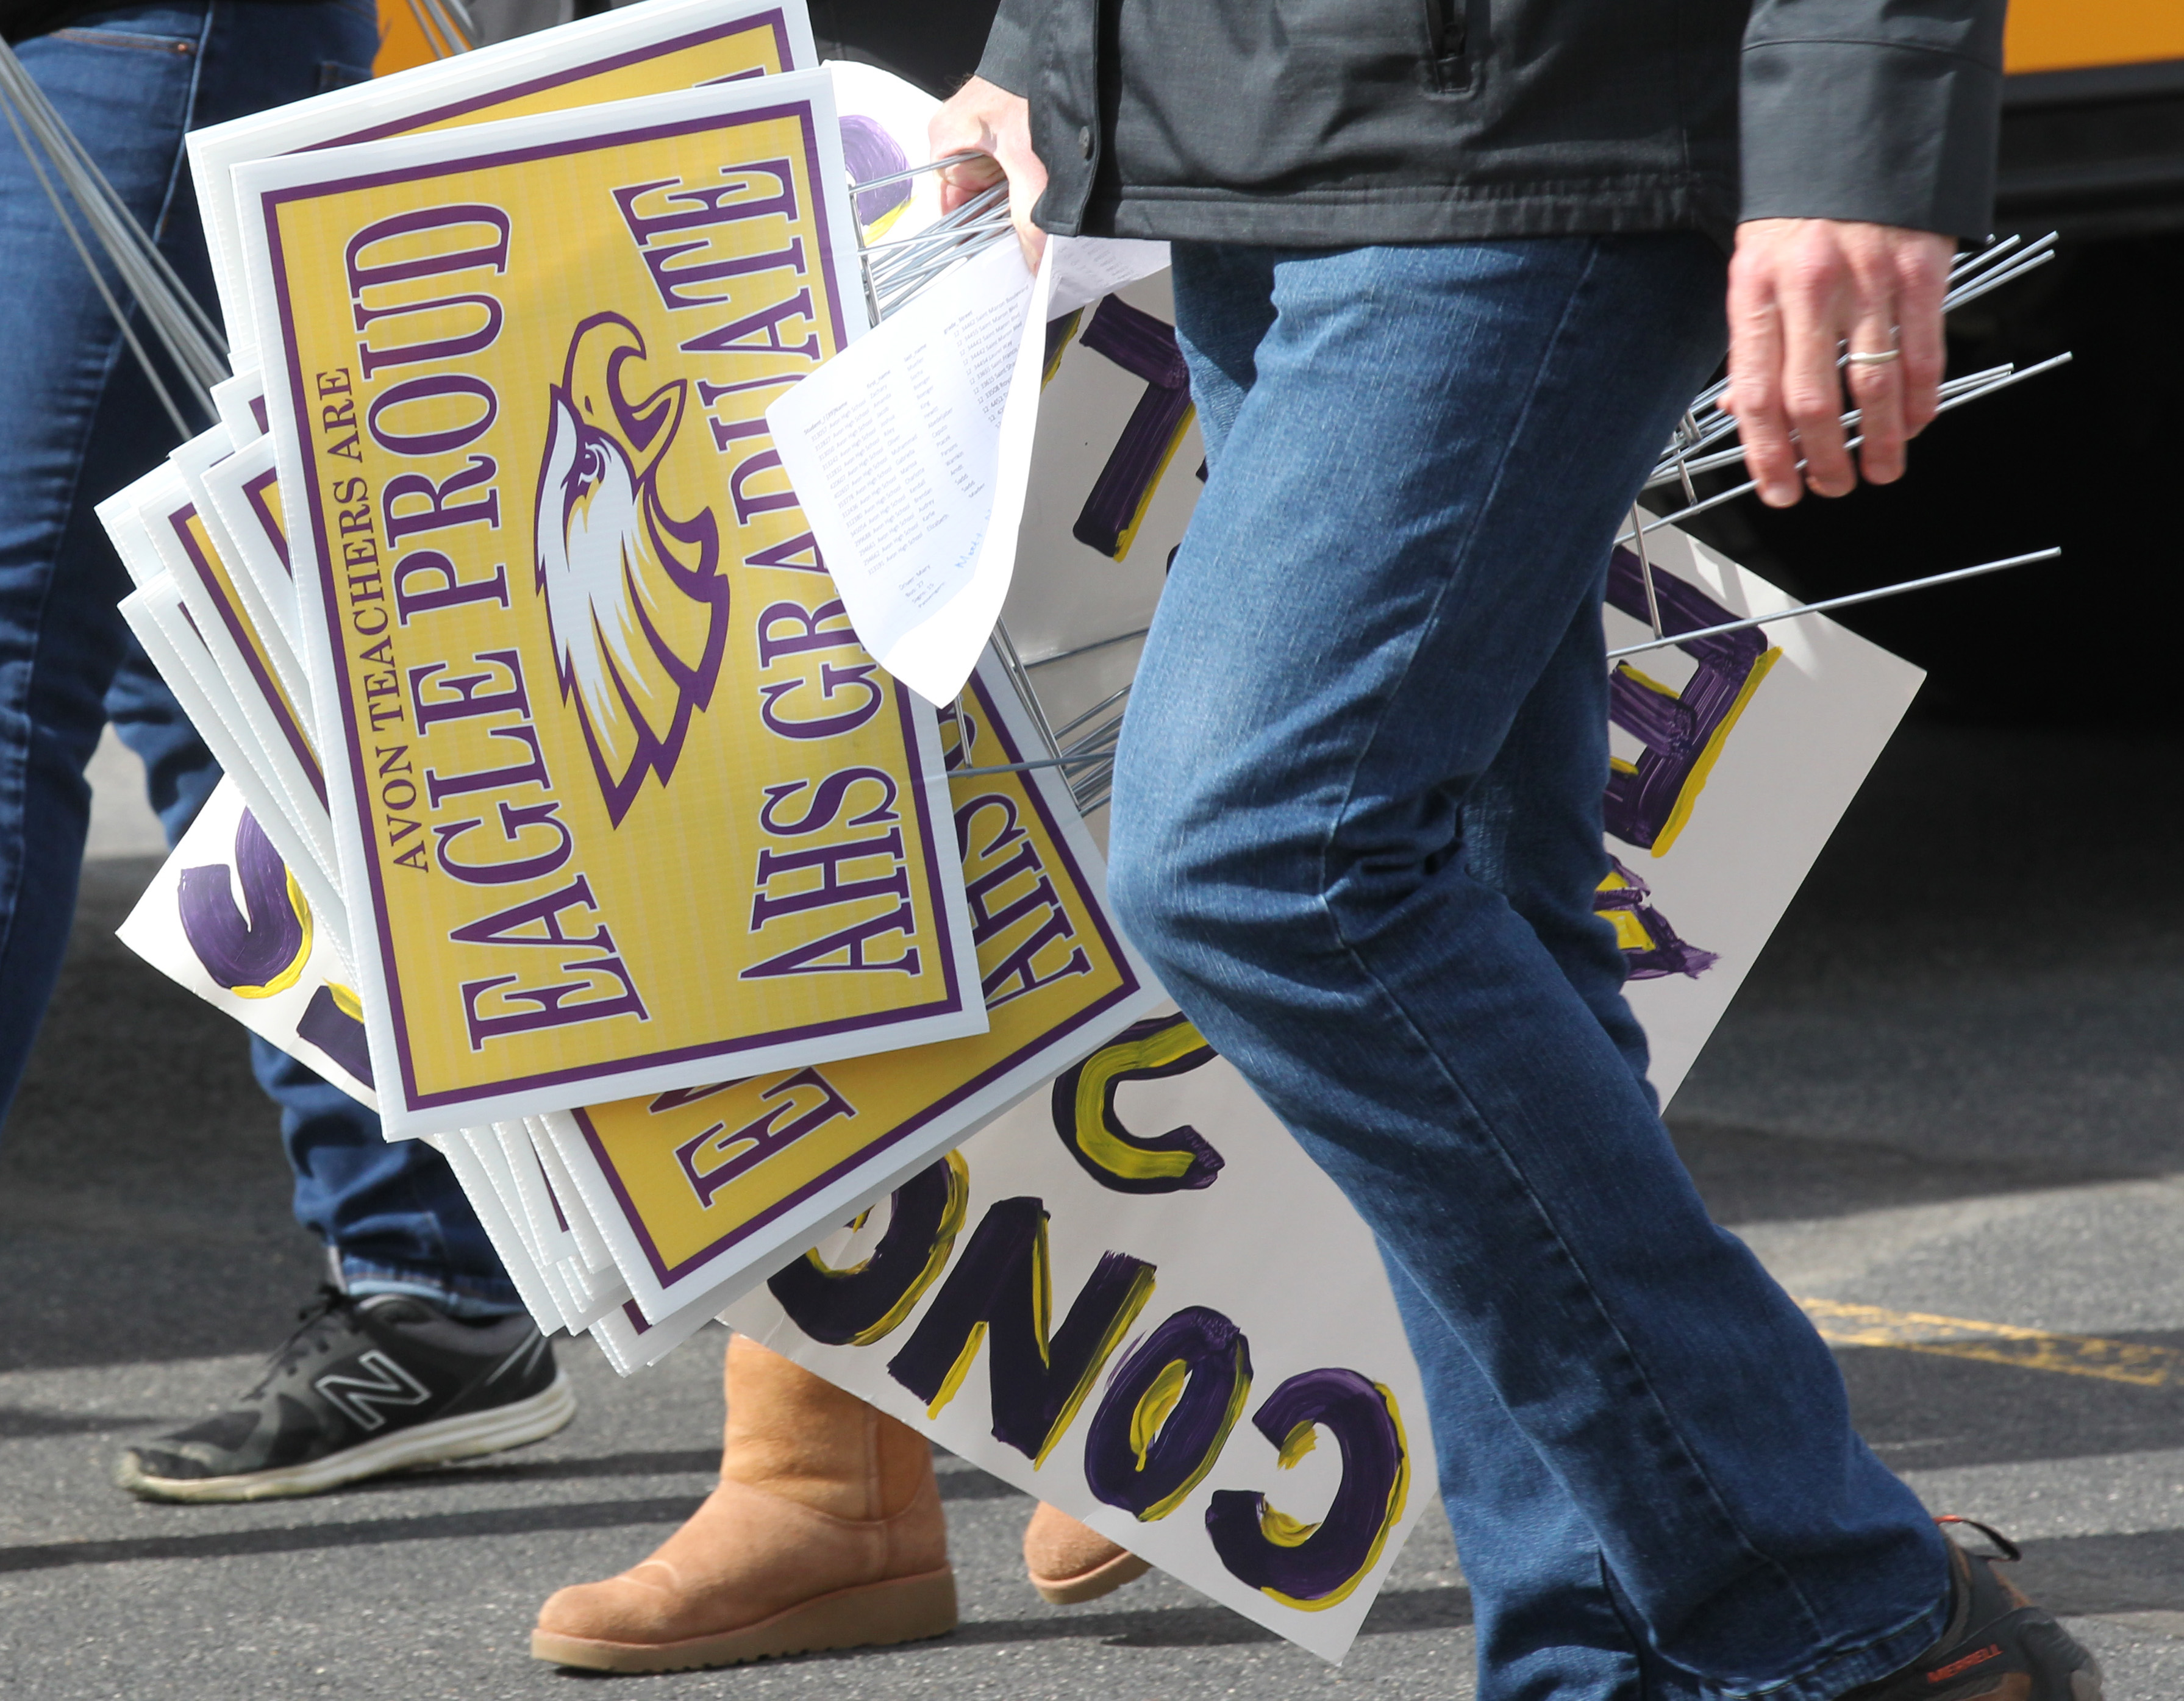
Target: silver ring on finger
<point x="1876" y="358"/>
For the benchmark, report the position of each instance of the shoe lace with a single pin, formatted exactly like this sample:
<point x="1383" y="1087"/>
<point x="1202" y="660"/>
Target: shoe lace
<point x="315" y="1326"/>
<point x="2009" y="1551"/>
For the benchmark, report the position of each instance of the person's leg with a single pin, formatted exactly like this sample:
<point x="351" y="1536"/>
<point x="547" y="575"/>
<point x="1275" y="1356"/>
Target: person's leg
<point x="1546" y="1620"/>
<point x="127" y="102"/>
<point x="1413" y="506"/>
<point x="392" y="1213"/>
<point x="129" y="82"/>
<point x="1534" y="816"/>
<point x="391" y="1210"/>
<point x="82" y="420"/>
<point x="1544" y="1606"/>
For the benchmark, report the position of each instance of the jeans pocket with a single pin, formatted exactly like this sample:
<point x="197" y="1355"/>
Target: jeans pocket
<point x="333" y="74"/>
<point x="129" y="38"/>
<point x="159" y="29"/>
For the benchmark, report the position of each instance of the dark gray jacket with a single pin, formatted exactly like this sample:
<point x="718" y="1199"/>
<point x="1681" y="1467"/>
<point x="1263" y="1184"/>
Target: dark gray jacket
<point x="1342" y="121"/>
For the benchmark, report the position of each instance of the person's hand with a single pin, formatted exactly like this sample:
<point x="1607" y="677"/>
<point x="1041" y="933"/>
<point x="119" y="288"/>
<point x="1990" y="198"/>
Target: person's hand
<point x="991" y="121"/>
<point x="1798" y="289"/>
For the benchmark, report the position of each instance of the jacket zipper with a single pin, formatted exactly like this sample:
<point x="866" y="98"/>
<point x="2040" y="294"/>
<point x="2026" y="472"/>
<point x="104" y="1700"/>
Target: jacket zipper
<point x="1447" y="29"/>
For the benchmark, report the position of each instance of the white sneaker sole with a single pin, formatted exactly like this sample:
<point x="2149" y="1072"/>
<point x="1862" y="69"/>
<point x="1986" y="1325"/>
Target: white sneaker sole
<point x="434" y="1443"/>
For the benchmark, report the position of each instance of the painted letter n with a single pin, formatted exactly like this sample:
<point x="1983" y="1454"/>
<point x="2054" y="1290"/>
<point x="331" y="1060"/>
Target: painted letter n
<point x="1649" y="801"/>
<point x="1001" y="1294"/>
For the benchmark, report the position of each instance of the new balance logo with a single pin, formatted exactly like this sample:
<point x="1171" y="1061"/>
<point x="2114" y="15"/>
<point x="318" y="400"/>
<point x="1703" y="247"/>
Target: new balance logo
<point x="360" y="1398"/>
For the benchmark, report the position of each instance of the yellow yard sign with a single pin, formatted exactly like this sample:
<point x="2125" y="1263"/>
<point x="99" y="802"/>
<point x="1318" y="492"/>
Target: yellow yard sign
<point x="622" y="799"/>
<point x="628" y="53"/>
<point x="210" y="572"/>
<point x="755" y="44"/>
<point x="694" y="1188"/>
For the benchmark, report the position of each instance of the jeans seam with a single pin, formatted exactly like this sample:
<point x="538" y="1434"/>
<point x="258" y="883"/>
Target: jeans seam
<point x="123" y="38"/>
<point x="1446" y="1067"/>
<point x="189" y="117"/>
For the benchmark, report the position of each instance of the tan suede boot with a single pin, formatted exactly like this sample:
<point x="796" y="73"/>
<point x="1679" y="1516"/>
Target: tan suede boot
<point x="1070" y="1562"/>
<point x="826" y="1532"/>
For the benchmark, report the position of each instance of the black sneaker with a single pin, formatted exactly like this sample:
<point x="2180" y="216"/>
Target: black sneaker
<point x="364" y="1387"/>
<point x="1998" y="1646"/>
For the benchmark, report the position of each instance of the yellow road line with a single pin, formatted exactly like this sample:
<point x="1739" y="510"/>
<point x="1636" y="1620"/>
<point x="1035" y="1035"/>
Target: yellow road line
<point x="1993" y="1343"/>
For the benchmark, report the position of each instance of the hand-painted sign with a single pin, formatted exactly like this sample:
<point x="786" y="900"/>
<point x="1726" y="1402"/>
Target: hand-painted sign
<point x="226" y="917"/>
<point x="1135" y="1297"/>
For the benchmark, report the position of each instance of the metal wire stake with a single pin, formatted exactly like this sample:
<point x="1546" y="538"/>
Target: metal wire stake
<point x="1953" y="390"/>
<point x="1005" y="647"/>
<point x="1803" y="609"/>
<point x="1646" y="568"/>
<point x="114" y="307"/>
<point x="1087" y="648"/>
<point x="893" y="271"/>
<point x="1753" y="484"/>
<point x="1107" y="702"/>
<point x="1026" y="768"/>
<point x="192" y="342"/>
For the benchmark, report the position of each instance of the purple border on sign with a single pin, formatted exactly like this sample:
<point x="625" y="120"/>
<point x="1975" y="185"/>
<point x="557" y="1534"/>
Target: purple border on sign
<point x="656" y="50"/>
<point x="270" y="203"/>
<point x="254" y="492"/>
<point x="667" y="1274"/>
<point x="231" y="618"/>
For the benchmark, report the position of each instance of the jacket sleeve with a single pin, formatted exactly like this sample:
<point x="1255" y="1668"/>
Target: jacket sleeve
<point x="1007" y="62"/>
<point x="1885" y="110"/>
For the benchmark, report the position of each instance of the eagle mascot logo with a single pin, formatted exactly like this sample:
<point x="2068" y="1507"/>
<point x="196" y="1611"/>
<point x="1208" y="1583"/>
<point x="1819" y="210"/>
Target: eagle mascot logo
<point x="635" y="601"/>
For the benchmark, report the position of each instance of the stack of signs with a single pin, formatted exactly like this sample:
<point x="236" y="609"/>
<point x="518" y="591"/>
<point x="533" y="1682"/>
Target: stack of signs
<point x="569" y="823"/>
<point x="564" y="808"/>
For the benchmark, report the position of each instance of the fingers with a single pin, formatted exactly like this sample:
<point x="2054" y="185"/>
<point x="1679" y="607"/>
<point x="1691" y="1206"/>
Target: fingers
<point x="965" y="124"/>
<point x="1814" y="285"/>
<point x="1755" y="368"/>
<point x="990" y="121"/>
<point x="967" y="181"/>
<point x="1922" y="280"/>
<point x="1030" y="239"/>
<point x="1800" y="292"/>
<point x="1876" y="390"/>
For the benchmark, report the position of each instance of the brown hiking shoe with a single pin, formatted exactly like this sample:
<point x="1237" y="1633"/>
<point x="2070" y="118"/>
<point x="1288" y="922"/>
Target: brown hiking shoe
<point x="1997" y="1646"/>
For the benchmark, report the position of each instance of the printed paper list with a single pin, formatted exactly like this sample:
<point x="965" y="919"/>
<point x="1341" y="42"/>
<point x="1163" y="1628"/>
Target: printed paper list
<point x="894" y="445"/>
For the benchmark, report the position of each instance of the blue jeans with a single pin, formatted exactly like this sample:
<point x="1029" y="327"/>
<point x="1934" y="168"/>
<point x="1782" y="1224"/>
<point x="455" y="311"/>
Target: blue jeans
<point x="1357" y="830"/>
<point x="80" y="422"/>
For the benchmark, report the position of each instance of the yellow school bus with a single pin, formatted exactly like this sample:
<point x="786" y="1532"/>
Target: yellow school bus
<point x="2092" y="128"/>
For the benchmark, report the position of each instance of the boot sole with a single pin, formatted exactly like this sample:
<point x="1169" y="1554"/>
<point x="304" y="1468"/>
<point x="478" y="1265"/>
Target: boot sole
<point x="868" y="1615"/>
<point x="1089" y="1586"/>
<point x="434" y="1443"/>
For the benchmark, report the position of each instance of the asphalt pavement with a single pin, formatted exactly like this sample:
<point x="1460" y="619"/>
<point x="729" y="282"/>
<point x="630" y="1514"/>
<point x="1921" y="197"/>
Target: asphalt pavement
<point x="1946" y="1111"/>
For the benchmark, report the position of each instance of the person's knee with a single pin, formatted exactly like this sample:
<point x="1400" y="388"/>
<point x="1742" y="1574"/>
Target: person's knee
<point x="1141" y="885"/>
<point x="1204" y="884"/>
